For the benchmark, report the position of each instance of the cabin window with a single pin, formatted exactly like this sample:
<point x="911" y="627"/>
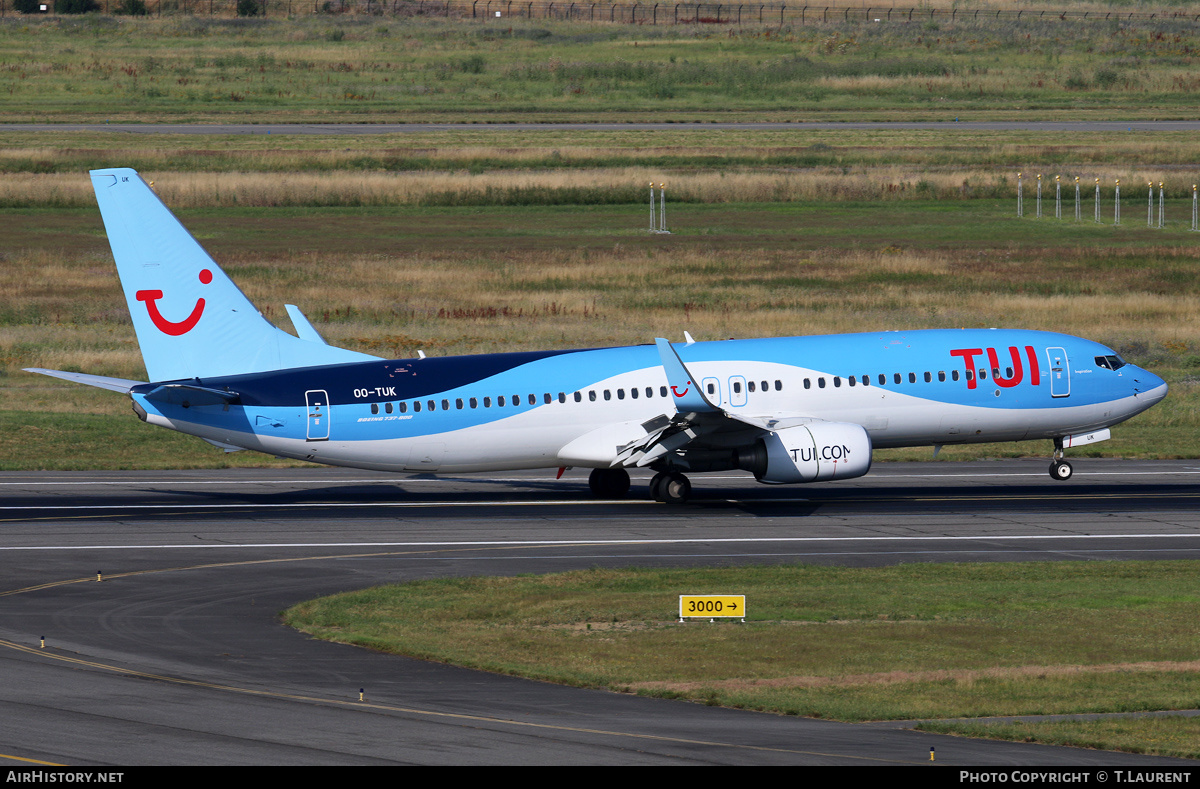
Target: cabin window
<point x="620" y="394"/>
<point x="983" y="375"/>
<point x="474" y="402"/>
<point x="487" y="402"/>
<point x="592" y="395"/>
<point x="928" y="377"/>
<point x="403" y="406"/>
<point x="533" y="399"/>
<point x="737" y="387"/>
<point x="850" y="380"/>
<point x="1008" y="372"/>
<point x="750" y="386"/>
<point x="807" y="383"/>
<point x="458" y="403"/>
<point x="778" y="385"/>
<point x="387" y="407"/>
<point x="941" y="375"/>
<point x="633" y="392"/>
<point x="712" y="388"/>
<point x="562" y="397"/>
<point x="837" y="381"/>
<point x="374" y="408"/>
<point x="954" y="375"/>
<point x="607" y="394"/>
<point x="578" y="397"/>
<point x="516" y="400"/>
<point x="662" y="391"/>
<point x="649" y="392"/>
<point x="896" y="377"/>
<point x="416" y="406"/>
<point x="500" y="401"/>
<point x="866" y="380"/>
<point x="970" y="375"/>
<point x="432" y="405"/>
<point x="446" y="405"/>
<point x="821" y="382"/>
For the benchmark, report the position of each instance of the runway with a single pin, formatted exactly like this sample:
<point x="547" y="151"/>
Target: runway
<point x="177" y="657"/>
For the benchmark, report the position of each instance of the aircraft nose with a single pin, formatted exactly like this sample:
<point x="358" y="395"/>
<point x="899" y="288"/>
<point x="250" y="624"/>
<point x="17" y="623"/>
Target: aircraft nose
<point x="1148" y="387"/>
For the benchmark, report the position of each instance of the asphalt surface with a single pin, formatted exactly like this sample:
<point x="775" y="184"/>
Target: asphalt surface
<point x="178" y="657"/>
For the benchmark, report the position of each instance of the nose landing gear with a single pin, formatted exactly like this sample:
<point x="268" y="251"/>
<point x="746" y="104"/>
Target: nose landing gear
<point x="1060" y="469"/>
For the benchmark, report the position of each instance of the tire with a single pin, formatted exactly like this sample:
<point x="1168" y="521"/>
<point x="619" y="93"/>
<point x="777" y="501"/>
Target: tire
<point x="675" y="489"/>
<point x="609" y="483"/>
<point x="1061" y="470"/>
<point x="656" y="485"/>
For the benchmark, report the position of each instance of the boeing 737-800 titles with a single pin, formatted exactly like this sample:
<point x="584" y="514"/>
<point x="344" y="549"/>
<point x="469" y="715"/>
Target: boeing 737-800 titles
<point x="787" y="409"/>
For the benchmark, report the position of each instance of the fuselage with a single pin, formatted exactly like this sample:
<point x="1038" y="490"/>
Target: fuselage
<point x="527" y="410"/>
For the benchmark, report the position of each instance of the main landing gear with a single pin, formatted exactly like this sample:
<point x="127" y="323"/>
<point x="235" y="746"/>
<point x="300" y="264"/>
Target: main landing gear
<point x="613" y="483"/>
<point x="1060" y="469"/>
<point x="670" y="487"/>
<point x="609" y="483"/>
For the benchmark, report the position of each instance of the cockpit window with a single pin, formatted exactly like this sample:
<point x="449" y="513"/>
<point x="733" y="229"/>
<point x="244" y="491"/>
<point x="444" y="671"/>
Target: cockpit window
<point x="1110" y="362"/>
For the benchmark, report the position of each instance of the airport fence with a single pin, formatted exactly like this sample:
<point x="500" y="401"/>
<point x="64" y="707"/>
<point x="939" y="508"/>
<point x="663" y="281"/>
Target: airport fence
<point x="639" y="13"/>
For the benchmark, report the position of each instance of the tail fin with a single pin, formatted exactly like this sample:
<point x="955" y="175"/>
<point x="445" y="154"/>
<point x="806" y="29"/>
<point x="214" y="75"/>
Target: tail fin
<point x="190" y="319"/>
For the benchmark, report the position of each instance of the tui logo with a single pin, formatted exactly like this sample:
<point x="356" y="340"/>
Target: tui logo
<point x="165" y="326"/>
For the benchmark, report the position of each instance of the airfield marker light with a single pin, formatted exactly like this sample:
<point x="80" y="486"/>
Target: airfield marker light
<point x="1057" y="197"/>
<point x="652" y="223"/>
<point x="361" y="697"/>
<point x="931" y="755"/>
<point x="1020" y="206"/>
<point x="43" y="642"/>
<point x="99" y="576"/>
<point x="1117" y="205"/>
<point x="1161" y="206"/>
<point x="1098" y="220"/>
<point x="1150" y="207"/>
<point x="1195" y="212"/>
<point x="662" y="209"/>
<point x="1078" y="215"/>
<point x="1039" y="197"/>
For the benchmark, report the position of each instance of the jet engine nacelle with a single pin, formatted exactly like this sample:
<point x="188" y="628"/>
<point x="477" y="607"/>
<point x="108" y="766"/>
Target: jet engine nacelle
<point x="813" y="452"/>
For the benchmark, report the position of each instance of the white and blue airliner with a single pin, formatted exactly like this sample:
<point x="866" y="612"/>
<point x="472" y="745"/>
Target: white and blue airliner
<point x="785" y="409"/>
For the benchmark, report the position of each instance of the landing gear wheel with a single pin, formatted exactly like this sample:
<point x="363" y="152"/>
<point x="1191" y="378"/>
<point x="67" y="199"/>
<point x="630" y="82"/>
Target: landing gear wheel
<point x="675" y="489"/>
<point x="609" y="483"/>
<point x="656" y="485"/>
<point x="1060" y="469"/>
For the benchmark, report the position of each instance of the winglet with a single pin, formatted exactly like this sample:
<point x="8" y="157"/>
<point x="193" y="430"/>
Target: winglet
<point x="685" y="389"/>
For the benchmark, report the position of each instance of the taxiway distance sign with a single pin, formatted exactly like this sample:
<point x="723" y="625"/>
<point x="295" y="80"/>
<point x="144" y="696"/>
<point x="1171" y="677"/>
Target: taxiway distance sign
<point x="712" y="605"/>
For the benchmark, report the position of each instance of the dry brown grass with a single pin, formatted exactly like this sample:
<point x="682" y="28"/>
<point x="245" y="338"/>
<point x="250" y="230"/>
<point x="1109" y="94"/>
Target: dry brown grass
<point x="211" y="189"/>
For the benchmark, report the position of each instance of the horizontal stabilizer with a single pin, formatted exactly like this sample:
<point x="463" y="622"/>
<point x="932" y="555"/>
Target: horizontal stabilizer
<point x="304" y="329"/>
<point x="121" y="385"/>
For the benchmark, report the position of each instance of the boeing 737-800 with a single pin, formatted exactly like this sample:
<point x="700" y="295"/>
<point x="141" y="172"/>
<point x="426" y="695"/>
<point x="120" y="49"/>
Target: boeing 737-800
<point x="787" y="409"/>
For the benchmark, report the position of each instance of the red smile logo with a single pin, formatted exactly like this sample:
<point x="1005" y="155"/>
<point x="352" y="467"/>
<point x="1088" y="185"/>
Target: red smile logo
<point x="686" y="389"/>
<point x="171" y="327"/>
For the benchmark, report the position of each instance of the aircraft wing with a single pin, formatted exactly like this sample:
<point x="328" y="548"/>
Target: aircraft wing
<point x="698" y="423"/>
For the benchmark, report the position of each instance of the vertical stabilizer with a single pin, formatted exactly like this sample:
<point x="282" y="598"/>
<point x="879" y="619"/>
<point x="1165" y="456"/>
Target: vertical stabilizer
<point x="190" y="319"/>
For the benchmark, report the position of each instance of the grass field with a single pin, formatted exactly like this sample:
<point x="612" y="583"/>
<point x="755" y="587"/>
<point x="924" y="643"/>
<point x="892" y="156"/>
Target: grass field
<point x="106" y="68"/>
<point x="909" y="642"/>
